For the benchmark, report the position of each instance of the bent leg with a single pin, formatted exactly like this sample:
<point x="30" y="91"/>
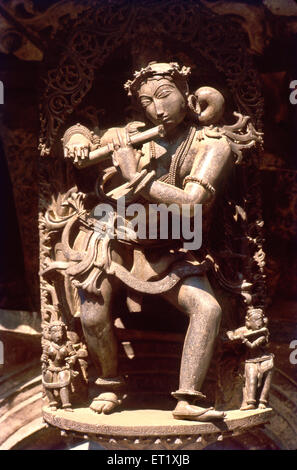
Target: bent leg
<point x="251" y="382"/>
<point x="48" y="377"/>
<point x="102" y="344"/>
<point x="263" y="401"/>
<point x="64" y="391"/>
<point x="194" y="297"/>
<point x="98" y="330"/>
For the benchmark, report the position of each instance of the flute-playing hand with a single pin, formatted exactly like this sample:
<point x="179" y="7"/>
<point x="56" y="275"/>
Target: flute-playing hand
<point x="124" y="156"/>
<point x="77" y="148"/>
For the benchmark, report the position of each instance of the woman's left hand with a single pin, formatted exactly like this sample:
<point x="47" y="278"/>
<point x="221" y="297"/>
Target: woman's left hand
<point x="125" y="156"/>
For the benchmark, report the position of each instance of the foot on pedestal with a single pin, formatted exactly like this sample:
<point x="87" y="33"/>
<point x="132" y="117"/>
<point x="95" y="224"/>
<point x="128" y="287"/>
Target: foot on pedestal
<point x="105" y="403"/>
<point x="262" y="406"/>
<point x="184" y="410"/>
<point x="251" y="405"/>
<point x="248" y="406"/>
<point x="67" y="407"/>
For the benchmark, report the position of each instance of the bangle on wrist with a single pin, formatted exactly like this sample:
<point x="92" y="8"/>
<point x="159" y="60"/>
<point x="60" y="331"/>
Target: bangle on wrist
<point x="141" y="180"/>
<point x="77" y="129"/>
<point x="201" y="182"/>
<point x="145" y="181"/>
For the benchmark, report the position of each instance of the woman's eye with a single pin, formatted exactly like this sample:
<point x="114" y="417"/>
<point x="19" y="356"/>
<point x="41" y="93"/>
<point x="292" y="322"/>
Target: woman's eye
<point x="163" y="93"/>
<point x="145" y="103"/>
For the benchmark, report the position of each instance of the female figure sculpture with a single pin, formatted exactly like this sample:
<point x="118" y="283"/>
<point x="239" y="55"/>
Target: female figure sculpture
<point x="185" y="166"/>
<point x="58" y="359"/>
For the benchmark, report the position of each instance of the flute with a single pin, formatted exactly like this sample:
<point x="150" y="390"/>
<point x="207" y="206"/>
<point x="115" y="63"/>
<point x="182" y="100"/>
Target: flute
<point x="105" y="152"/>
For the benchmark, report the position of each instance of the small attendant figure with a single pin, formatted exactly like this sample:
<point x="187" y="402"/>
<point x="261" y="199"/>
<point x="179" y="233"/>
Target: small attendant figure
<point x="259" y="363"/>
<point x="58" y="359"/>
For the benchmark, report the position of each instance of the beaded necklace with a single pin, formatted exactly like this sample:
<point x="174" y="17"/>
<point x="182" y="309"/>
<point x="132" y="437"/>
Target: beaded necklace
<point x="178" y="158"/>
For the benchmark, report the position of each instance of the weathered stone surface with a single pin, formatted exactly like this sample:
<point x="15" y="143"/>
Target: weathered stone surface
<point x="157" y="428"/>
<point x="268" y="28"/>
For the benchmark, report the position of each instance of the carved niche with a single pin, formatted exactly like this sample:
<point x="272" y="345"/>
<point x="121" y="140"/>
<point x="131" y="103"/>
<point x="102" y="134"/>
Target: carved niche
<point x="92" y="65"/>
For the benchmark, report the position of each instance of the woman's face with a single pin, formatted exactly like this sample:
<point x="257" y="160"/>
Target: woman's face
<point x="57" y="333"/>
<point x="162" y="102"/>
<point x="256" y="322"/>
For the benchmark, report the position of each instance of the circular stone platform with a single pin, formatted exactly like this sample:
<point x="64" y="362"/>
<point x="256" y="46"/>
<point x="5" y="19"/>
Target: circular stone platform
<point x="151" y="429"/>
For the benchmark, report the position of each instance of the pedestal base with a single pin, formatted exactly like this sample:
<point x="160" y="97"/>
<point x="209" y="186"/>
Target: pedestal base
<point x="151" y="429"/>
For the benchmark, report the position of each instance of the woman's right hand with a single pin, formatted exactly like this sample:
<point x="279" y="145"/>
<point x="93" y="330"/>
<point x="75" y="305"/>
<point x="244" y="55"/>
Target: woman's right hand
<point x="77" y="148"/>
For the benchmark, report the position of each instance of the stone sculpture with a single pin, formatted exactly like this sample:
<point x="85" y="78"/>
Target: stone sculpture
<point x="57" y="360"/>
<point x="182" y="161"/>
<point x="259" y="364"/>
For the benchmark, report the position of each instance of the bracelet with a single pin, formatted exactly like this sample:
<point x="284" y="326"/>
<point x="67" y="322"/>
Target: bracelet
<point x="204" y="184"/>
<point x="145" y="181"/>
<point x="77" y="129"/>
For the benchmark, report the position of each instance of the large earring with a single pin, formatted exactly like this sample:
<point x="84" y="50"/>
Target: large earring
<point x="194" y="105"/>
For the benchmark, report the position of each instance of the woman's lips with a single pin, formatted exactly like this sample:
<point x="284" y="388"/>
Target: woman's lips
<point x="166" y="119"/>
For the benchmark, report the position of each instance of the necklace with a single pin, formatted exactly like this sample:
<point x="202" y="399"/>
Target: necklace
<point x="178" y="159"/>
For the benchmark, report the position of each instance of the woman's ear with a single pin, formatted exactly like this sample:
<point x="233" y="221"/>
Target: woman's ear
<point x="186" y="90"/>
<point x="211" y="104"/>
<point x="194" y="105"/>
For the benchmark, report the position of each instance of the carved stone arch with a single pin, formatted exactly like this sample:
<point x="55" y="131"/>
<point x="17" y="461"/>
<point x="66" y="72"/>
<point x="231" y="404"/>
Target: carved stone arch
<point x="217" y="38"/>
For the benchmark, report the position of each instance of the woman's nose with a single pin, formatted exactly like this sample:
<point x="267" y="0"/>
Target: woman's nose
<point x="159" y="108"/>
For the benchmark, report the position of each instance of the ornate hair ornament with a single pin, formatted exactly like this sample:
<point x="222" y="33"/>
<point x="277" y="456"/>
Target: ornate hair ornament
<point x="251" y="310"/>
<point x="254" y="312"/>
<point x="56" y="323"/>
<point x="172" y="69"/>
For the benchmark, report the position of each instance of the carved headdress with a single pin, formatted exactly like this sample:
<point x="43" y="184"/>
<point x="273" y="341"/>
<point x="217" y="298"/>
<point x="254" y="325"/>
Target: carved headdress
<point x="256" y="312"/>
<point x="171" y="69"/>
